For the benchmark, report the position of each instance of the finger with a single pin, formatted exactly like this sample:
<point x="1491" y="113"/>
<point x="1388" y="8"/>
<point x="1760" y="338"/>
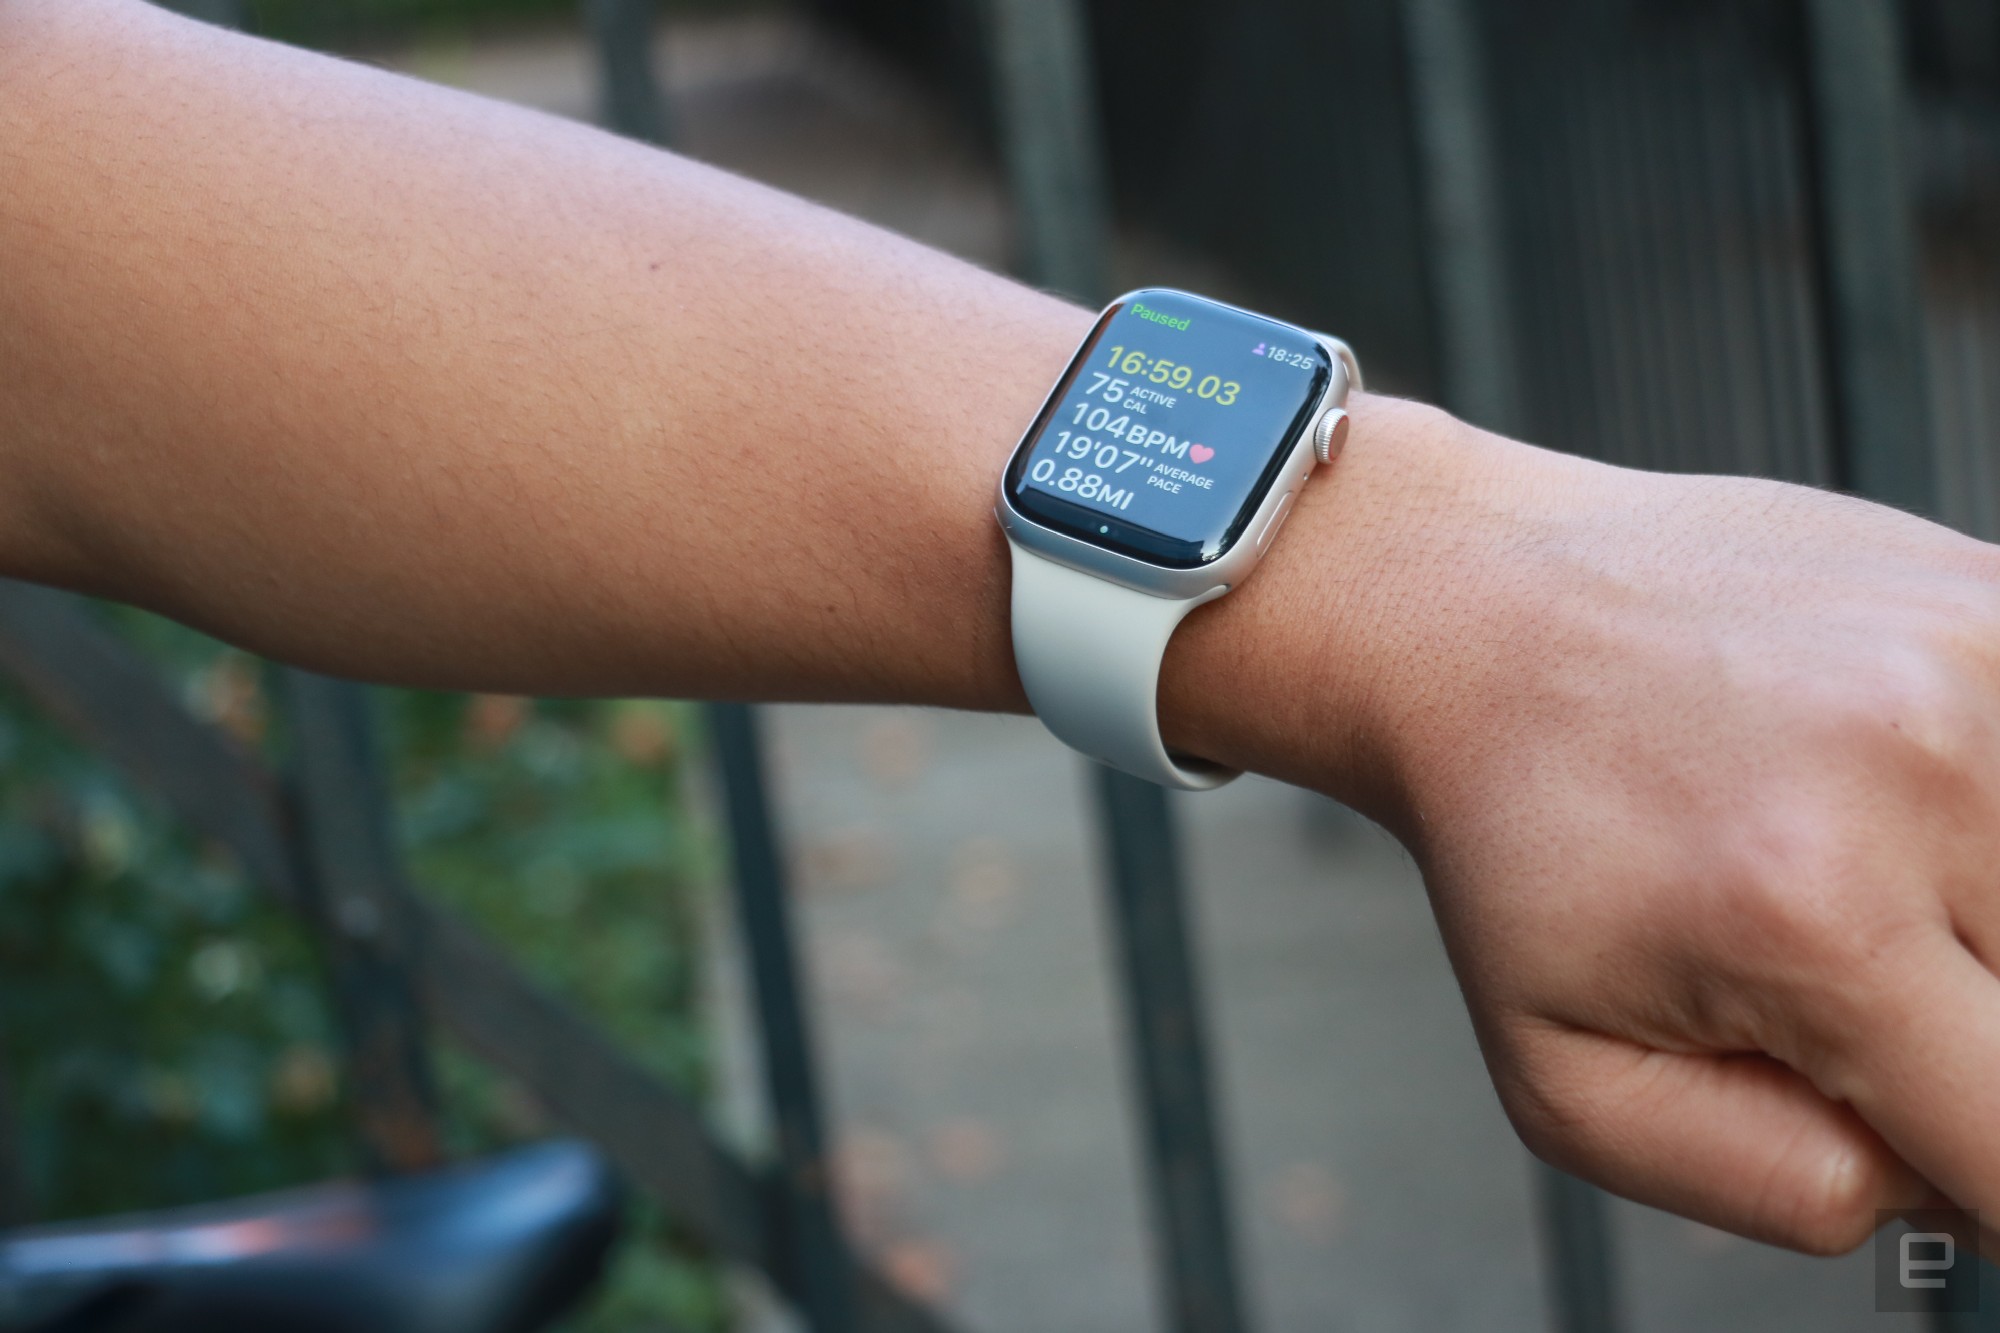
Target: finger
<point x="1921" y="1064"/>
<point x="1737" y="1141"/>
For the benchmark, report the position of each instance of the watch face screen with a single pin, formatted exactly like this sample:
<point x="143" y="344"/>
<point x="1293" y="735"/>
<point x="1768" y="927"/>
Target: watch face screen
<point x="1169" y="428"/>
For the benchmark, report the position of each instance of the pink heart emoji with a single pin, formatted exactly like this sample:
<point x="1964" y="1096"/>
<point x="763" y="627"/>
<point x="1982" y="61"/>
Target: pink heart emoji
<point x="1200" y="453"/>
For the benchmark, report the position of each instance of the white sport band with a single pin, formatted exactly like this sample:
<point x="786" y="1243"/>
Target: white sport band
<point x="1092" y="619"/>
<point x="1089" y="654"/>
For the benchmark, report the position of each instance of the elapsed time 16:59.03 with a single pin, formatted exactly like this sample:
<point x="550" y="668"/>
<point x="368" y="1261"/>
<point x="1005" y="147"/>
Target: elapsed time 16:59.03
<point x="1159" y="370"/>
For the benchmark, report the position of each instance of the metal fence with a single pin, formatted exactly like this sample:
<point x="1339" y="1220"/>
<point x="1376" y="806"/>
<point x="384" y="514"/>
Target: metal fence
<point x="1754" y="237"/>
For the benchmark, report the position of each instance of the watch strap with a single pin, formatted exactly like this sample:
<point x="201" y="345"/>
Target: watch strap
<point x="1089" y="654"/>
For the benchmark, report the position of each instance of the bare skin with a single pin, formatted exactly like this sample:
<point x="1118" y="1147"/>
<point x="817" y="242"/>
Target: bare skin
<point x="1703" y="773"/>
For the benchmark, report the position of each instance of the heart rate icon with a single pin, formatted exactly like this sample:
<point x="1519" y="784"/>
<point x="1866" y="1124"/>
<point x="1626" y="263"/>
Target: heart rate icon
<point x="1200" y="453"/>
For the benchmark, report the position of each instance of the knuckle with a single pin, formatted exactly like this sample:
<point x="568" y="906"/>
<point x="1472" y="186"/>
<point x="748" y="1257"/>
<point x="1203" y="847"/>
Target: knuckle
<point x="1791" y="897"/>
<point x="1551" y="1123"/>
<point x="1559" y="1141"/>
<point x="1829" y="1207"/>
<point x="1805" y="937"/>
<point x="1542" y="1131"/>
<point x="1908" y="708"/>
<point x="1572" y="1123"/>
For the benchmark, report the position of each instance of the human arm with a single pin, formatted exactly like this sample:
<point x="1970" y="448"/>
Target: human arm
<point x="409" y="386"/>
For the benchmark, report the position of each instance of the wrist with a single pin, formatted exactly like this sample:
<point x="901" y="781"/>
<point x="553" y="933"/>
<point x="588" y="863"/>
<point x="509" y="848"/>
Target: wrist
<point x="1325" y="667"/>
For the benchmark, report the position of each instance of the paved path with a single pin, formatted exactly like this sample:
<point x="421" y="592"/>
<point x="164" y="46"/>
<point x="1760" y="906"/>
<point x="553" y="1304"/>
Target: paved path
<point x="949" y="887"/>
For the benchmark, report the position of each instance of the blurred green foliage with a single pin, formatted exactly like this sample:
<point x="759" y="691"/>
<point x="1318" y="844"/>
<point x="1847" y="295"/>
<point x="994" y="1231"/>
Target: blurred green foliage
<point x="348" y="22"/>
<point x="164" y="1036"/>
<point x="323" y="22"/>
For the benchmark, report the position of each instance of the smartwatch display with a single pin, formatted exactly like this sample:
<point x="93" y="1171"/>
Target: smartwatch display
<point x="1153" y="479"/>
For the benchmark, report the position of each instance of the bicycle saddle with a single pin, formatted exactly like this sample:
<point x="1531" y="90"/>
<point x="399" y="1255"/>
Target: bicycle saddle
<point x="503" y="1245"/>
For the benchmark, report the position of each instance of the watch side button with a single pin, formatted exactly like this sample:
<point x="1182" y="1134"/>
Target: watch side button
<point x="1278" y="517"/>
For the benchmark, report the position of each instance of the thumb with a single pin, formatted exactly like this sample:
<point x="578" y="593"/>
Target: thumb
<point x="1738" y="1141"/>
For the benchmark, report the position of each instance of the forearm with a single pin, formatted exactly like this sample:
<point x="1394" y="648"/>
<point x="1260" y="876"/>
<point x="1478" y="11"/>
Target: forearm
<point x="413" y="385"/>
<point x="408" y="385"/>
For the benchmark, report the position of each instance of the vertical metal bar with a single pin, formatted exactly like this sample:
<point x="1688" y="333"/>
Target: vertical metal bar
<point x="1870" y="299"/>
<point x="1163" y="1005"/>
<point x="1601" y="176"/>
<point x="1608" y="431"/>
<point x="1465" y="240"/>
<point x="1689" y="376"/>
<point x="359" y="903"/>
<point x="1782" y="177"/>
<point x="1555" y="301"/>
<point x="1764" y="261"/>
<point x="1582" y="1271"/>
<point x="1466" y="243"/>
<point x="16" y="1207"/>
<point x="1048" y="120"/>
<point x="630" y="99"/>
<point x="811" y="1244"/>
<point x="1049" y="134"/>
<point x="1633" y="187"/>
<point x="1743" y="373"/>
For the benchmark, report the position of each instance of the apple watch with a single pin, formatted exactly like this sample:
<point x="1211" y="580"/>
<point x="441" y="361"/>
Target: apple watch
<point x="1153" y="480"/>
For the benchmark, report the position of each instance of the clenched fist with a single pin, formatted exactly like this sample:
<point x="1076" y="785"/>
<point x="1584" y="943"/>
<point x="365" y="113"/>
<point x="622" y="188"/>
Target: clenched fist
<point x="1704" y="777"/>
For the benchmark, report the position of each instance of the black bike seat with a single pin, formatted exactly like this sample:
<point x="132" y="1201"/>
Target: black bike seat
<point x="502" y="1245"/>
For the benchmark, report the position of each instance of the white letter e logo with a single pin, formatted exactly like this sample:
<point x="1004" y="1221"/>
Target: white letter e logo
<point x="1913" y="1265"/>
